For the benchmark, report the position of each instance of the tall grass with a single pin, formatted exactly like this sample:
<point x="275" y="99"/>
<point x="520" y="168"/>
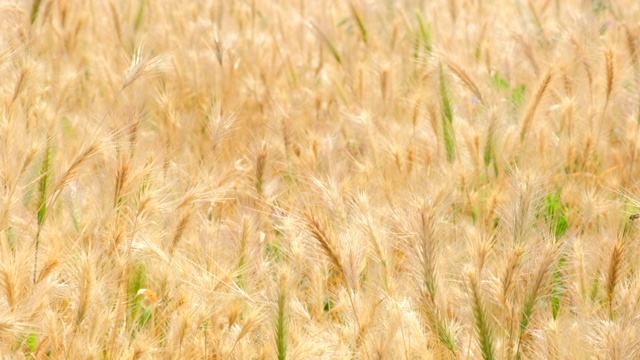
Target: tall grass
<point x="331" y="180"/>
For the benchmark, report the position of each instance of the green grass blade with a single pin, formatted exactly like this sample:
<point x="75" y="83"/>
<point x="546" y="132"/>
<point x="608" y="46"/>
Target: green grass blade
<point x="423" y="43"/>
<point x="360" y="22"/>
<point x="557" y="287"/>
<point x="447" y="117"/>
<point x="483" y="326"/>
<point x="140" y="15"/>
<point x="43" y="189"/>
<point x="43" y="185"/>
<point x="35" y="10"/>
<point x="282" y="321"/>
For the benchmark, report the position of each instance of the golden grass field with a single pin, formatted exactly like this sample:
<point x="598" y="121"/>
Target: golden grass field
<point x="299" y="179"/>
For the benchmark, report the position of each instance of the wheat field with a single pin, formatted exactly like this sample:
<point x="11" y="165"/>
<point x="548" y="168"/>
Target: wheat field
<point x="299" y="179"/>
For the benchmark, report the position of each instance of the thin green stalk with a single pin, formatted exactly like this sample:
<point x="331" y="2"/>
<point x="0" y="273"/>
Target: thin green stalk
<point x="447" y="117"/>
<point x="360" y="22"/>
<point x="282" y="321"/>
<point x="35" y="10"/>
<point x="43" y="189"/>
<point x="423" y="40"/>
<point x="485" y="337"/>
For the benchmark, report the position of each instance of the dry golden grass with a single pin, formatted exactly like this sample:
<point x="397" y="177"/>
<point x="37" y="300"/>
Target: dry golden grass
<point x="319" y="180"/>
